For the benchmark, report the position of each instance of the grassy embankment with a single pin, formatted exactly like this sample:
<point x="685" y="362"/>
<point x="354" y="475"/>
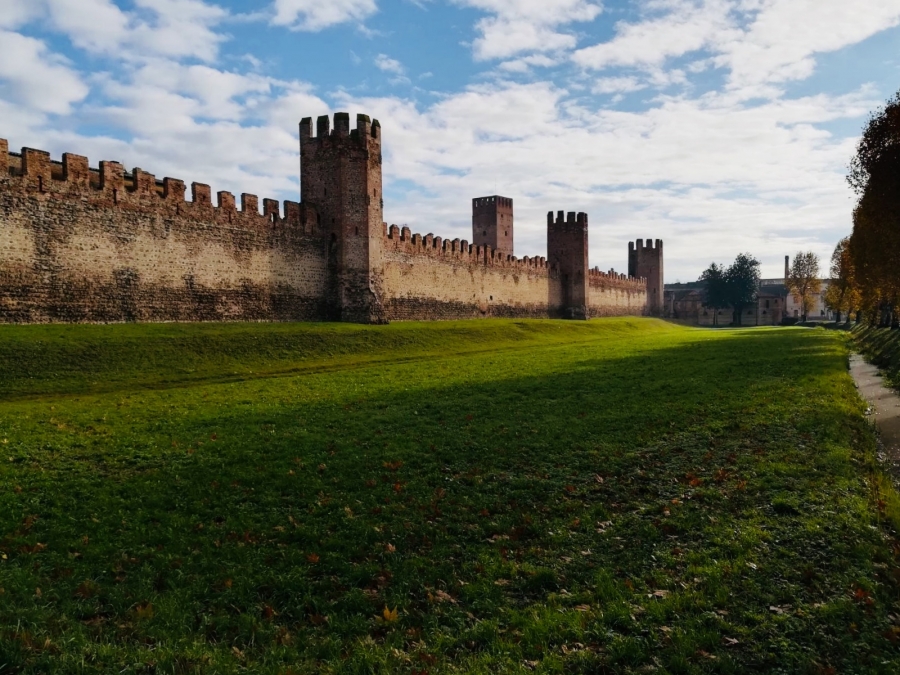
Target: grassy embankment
<point x="498" y="496"/>
<point x="881" y="346"/>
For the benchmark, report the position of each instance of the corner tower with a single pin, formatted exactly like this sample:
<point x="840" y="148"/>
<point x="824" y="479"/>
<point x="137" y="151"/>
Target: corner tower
<point x="340" y="175"/>
<point x="647" y="262"/>
<point x="492" y="223"/>
<point x="567" y="251"/>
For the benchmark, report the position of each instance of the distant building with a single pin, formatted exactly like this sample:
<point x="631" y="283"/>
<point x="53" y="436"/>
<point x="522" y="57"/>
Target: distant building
<point x="818" y="312"/>
<point x="774" y="303"/>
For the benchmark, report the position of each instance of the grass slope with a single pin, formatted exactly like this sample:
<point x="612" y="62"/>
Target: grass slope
<point x="880" y="346"/>
<point x="500" y="496"/>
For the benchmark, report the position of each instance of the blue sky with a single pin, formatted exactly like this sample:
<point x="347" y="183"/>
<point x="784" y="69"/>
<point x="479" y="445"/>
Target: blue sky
<point x="719" y="126"/>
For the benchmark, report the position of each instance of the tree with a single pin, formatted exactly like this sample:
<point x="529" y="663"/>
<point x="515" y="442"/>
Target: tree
<point x="742" y="283"/>
<point x="716" y="289"/>
<point x="841" y="295"/>
<point x="803" y="281"/>
<point x="875" y="242"/>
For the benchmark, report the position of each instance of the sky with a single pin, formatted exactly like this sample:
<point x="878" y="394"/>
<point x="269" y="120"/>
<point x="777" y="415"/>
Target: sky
<point x="718" y="126"/>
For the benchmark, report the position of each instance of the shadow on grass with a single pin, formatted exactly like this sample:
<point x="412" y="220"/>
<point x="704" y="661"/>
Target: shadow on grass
<point x="689" y="488"/>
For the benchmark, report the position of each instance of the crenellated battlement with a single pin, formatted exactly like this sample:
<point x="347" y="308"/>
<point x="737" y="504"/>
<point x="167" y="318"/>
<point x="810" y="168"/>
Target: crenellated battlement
<point x="646" y="260"/>
<point x="404" y="241"/>
<point x="649" y="246"/>
<point x="567" y="221"/>
<point x="102" y="243"/>
<point x="366" y="129"/>
<point x="35" y="174"/>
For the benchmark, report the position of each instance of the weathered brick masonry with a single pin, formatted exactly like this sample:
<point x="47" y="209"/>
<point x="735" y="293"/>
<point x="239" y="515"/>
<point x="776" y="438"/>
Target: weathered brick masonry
<point x="82" y="244"/>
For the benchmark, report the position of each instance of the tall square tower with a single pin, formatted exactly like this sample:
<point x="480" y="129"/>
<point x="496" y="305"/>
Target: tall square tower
<point x="646" y="261"/>
<point x="340" y="175"/>
<point x="492" y="223"/>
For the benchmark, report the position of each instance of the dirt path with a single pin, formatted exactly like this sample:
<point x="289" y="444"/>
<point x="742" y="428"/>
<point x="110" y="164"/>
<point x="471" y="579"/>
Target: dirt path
<point x="885" y="405"/>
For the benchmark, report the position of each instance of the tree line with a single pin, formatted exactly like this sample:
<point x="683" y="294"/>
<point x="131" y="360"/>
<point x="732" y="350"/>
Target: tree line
<point x="737" y="285"/>
<point x="864" y="266"/>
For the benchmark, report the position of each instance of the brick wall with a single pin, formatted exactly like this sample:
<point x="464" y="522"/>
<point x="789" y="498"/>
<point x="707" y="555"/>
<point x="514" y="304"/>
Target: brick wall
<point x="611" y="294"/>
<point x="78" y="244"/>
<point x="82" y="244"/>
<point x="426" y="277"/>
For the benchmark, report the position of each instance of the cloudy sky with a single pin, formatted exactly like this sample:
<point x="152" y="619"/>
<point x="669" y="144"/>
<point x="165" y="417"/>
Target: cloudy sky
<point x="719" y="126"/>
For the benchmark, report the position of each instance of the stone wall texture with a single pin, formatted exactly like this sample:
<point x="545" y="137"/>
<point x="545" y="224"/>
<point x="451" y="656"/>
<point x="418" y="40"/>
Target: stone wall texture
<point x="81" y="244"/>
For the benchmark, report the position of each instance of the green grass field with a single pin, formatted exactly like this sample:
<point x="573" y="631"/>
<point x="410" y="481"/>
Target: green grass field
<point x="614" y="496"/>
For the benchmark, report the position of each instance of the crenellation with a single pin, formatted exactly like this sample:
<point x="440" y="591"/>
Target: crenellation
<point x="323" y="126"/>
<point x="225" y="201"/>
<point x="329" y="256"/>
<point x="201" y="195"/>
<point x="143" y="183"/>
<point x="341" y="124"/>
<point x="75" y="172"/>
<point x="36" y="169"/>
<point x="292" y="213"/>
<point x="272" y="209"/>
<point x="174" y="191"/>
<point x="249" y="204"/>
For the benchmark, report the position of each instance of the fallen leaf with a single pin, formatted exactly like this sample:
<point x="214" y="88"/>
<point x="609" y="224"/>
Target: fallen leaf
<point x="144" y="611"/>
<point x="442" y="596"/>
<point x="389" y="615"/>
<point x="313" y="558"/>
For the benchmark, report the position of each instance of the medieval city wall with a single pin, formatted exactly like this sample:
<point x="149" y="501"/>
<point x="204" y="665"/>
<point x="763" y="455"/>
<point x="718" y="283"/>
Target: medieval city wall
<point x="81" y="244"/>
<point x="611" y="294"/>
<point x="432" y="278"/>
<point x="428" y="278"/>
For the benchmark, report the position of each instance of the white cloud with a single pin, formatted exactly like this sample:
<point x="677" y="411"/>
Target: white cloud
<point x="686" y="27"/>
<point x="180" y="28"/>
<point x="712" y="176"/>
<point x="35" y="77"/>
<point x="760" y="42"/>
<point x="518" y="26"/>
<point x="389" y="65"/>
<point x="15" y="13"/>
<point x="94" y="25"/>
<point x="784" y="35"/>
<point x="616" y="85"/>
<point x="314" y="15"/>
<point x="526" y="63"/>
<point x="176" y="28"/>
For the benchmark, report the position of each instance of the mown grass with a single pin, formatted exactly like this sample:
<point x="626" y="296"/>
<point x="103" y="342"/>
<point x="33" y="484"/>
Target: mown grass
<point x="500" y="496"/>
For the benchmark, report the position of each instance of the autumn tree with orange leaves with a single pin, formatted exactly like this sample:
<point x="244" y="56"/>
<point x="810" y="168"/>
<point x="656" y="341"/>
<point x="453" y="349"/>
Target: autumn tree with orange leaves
<point x="875" y="243"/>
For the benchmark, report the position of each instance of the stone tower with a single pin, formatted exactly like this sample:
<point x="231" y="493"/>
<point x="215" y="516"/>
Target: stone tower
<point x="340" y="175"/>
<point x="567" y="251"/>
<point x="492" y="223"/>
<point x="647" y="262"/>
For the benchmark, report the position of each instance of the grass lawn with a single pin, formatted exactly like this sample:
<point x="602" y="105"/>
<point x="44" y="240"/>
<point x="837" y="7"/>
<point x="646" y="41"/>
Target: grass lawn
<point x="614" y="496"/>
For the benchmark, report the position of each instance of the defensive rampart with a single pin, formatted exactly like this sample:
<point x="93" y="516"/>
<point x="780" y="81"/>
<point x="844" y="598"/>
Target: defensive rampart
<point x="82" y="244"/>
<point x="426" y="277"/>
